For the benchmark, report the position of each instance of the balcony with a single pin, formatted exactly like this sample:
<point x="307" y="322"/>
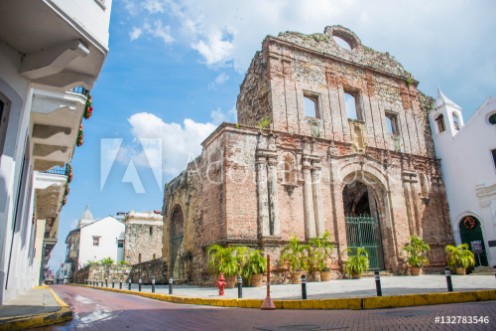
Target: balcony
<point x="55" y="121"/>
<point x="65" y="47"/>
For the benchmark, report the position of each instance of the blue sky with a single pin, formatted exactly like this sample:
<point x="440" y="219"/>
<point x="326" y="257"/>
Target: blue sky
<point x="174" y="69"/>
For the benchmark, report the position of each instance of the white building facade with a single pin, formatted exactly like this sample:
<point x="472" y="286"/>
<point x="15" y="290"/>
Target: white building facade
<point x="93" y="240"/>
<point x="47" y="47"/>
<point x="468" y="160"/>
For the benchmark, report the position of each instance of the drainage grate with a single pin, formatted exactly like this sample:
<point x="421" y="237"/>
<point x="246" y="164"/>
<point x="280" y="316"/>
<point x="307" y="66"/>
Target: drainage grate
<point x="299" y="327"/>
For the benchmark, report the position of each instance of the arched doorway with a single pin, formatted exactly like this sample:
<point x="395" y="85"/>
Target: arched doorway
<point x="471" y="234"/>
<point x="176" y="240"/>
<point x="361" y="212"/>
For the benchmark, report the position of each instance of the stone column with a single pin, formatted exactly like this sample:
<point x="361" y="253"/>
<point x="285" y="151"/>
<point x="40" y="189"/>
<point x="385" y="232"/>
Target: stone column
<point x="408" y="204"/>
<point x="263" y="198"/>
<point x="275" y="227"/>
<point x="308" y="199"/>
<point x="317" y="199"/>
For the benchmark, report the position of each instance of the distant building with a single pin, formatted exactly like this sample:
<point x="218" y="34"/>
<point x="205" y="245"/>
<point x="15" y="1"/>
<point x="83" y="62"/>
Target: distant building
<point x="94" y="240"/>
<point x="468" y="160"/>
<point x="144" y="235"/>
<point x="47" y="48"/>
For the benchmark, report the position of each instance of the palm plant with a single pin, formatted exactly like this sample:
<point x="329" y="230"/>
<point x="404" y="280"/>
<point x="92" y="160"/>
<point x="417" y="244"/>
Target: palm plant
<point x="227" y="260"/>
<point x="416" y="251"/>
<point x="256" y="264"/>
<point x="294" y="254"/>
<point x="358" y="262"/>
<point x="319" y="250"/>
<point x="459" y="257"/>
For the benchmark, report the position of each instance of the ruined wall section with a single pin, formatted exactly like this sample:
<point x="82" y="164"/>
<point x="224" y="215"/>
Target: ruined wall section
<point x="254" y="100"/>
<point x="143" y="237"/>
<point x="316" y="66"/>
<point x="199" y="192"/>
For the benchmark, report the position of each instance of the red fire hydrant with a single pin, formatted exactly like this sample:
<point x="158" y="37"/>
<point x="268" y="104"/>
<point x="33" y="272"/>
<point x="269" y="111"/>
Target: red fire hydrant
<point x="221" y="283"/>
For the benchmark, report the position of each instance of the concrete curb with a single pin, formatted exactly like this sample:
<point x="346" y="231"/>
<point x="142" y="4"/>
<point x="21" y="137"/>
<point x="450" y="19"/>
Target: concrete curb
<point x="407" y="300"/>
<point x="64" y="314"/>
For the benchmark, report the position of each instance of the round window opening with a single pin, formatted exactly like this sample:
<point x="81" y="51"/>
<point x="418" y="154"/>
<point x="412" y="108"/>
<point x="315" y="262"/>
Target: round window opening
<point x="492" y="119"/>
<point x="342" y="43"/>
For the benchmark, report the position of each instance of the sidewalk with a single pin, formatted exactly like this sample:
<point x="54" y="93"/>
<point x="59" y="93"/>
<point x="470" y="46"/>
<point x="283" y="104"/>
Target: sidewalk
<point x="338" y="294"/>
<point x="37" y="307"/>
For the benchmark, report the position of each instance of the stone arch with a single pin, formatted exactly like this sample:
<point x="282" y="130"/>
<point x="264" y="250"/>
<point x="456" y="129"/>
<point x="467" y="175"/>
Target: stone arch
<point x="176" y="241"/>
<point x="370" y="175"/>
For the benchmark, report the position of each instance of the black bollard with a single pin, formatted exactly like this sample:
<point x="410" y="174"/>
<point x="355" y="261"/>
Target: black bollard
<point x="112" y="283"/>
<point x="130" y="281"/>
<point x="447" y="272"/>
<point x="101" y="283"/>
<point x="378" y="288"/>
<point x="106" y="282"/>
<point x="120" y="284"/>
<point x="170" y="285"/>
<point x="240" y="287"/>
<point x="303" y="287"/>
<point x="139" y="285"/>
<point x="494" y="269"/>
<point x="153" y="285"/>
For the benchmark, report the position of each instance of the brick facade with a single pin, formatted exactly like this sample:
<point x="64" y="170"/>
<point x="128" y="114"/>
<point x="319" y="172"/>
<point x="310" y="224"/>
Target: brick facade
<point x="258" y="184"/>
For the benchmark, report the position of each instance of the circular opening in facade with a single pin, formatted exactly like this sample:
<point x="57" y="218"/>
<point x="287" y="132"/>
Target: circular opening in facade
<point x="492" y="119"/>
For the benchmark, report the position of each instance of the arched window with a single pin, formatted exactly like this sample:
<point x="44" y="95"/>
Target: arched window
<point x="289" y="169"/>
<point x="440" y="123"/>
<point x="456" y="121"/>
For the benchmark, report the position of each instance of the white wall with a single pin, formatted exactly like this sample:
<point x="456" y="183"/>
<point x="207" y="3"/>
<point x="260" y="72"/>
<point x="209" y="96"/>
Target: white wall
<point x="109" y="229"/>
<point x="89" y="15"/>
<point x="467" y="164"/>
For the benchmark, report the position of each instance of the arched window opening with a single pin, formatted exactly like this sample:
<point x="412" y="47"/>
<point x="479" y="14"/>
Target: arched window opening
<point x="353" y="106"/>
<point x="342" y="43"/>
<point x="440" y="123"/>
<point x="456" y="121"/>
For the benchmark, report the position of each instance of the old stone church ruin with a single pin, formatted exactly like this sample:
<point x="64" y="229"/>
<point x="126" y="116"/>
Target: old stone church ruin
<point x="332" y="135"/>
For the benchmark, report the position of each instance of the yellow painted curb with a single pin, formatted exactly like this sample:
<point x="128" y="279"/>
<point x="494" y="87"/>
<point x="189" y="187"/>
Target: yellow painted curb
<point x="64" y="314"/>
<point x="392" y="301"/>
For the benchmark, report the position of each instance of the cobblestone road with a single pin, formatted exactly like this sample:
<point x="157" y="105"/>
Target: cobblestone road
<point x="100" y="310"/>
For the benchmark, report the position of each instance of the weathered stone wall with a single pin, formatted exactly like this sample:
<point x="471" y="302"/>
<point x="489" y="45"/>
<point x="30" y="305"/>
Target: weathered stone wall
<point x="100" y="273"/>
<point x="144" y="237"/>
<point x="257" y="187"/>
<point x="149" y="270"/>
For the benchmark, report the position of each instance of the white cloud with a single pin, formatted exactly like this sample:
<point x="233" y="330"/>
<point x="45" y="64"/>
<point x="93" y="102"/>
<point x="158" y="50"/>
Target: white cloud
<point x="135" y="33"/>
<point x="219" y="80"/>
<point x="166" y="145"/>
<point x="218" y="116"/>
<point x="153" y="6"/>
<point x="452" y="56"/>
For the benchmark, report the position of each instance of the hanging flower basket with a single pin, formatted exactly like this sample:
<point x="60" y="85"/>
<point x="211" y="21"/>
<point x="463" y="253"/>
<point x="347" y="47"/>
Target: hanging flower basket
<point x="68" y="170"/>
<point x="88" y="108"/>
<point x="80" y="137"/>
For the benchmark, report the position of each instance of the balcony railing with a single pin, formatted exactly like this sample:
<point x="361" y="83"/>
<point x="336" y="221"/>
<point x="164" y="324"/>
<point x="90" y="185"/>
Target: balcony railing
<point x="80" y="90"/>
<point x="57" y="170"/>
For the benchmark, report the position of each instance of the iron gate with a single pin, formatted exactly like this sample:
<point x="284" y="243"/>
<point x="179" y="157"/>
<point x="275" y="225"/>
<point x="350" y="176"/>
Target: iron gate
<point x="364" y="231"/>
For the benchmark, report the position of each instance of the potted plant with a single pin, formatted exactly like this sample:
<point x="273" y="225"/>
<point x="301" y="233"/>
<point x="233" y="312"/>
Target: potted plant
<point x="294" y="254"/>
<point x="228" y="261"/>
<point x="255" y="267"/>
<point x="459" y="258"/>
<point x="416" y="254"/>
<point x="358" y="262"/>
<point x="318" y="253"/>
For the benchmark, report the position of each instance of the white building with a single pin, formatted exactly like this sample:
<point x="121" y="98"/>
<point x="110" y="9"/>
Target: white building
<point x="47" y="47"/>
<point x="468" y="159"/>
<point x="94" y="240"/>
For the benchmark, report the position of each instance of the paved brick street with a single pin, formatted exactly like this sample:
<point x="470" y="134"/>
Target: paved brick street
<point x="100" y="310"/>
